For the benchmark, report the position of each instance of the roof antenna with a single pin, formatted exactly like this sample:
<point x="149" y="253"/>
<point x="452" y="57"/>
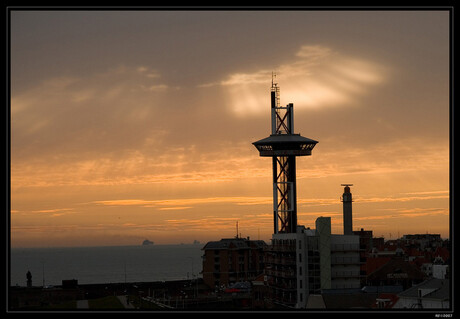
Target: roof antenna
<point x="236" y="229"/>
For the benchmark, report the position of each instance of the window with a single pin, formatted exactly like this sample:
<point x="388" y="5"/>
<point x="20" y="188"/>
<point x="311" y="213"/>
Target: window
<point x="300" y="257"/>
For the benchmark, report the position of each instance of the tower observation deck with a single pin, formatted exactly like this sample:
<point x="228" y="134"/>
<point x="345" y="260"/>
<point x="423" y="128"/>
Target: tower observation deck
<point x="283" y="145"/>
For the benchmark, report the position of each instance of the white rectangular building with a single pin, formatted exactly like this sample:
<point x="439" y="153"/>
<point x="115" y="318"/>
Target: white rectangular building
<point x="309" y="262"/>
<point x="345" y="262"/>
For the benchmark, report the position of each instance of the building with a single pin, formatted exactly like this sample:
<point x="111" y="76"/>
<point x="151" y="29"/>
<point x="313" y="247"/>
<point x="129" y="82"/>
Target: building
<point x="365" y="239"/>
<point x="310" y="262"/>
<point x="231" y="260"/>
<point x="345" y="262"/>
<point x="259" y="293"/>
<point x="385" y="301"/>
<point x="396" y="272"/>
<point x="431" y="294"/>
<point x="440" y="271"/>
<point x="36" y="297"/>
<point x="423" y="241"/>
<point x="366" y="244"/>
<point x="296" y="265"/>
<point x="340" y="301"/>
<point x="281" y="270"/>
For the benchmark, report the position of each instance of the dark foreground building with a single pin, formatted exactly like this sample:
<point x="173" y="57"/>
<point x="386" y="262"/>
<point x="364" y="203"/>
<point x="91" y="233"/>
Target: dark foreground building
<point x="231" y="260"/>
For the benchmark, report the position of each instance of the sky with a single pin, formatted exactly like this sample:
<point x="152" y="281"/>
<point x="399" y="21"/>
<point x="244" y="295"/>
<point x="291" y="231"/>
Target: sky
<point x="133" y="125"/>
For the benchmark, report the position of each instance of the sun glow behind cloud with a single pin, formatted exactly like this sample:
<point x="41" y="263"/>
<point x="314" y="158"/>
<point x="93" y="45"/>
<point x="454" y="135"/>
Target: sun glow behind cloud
<point x="318" y="77"/>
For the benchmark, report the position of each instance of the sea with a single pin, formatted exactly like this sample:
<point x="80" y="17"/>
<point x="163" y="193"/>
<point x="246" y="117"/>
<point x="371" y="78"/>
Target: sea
<point x="110" y="264"/>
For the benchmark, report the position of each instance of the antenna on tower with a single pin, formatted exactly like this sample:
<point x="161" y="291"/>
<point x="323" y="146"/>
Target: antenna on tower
<point x="273" y="77"/>
<point x="236" y="229"/>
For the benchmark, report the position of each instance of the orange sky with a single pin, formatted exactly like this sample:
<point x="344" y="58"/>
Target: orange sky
<point x="129" y="125"/>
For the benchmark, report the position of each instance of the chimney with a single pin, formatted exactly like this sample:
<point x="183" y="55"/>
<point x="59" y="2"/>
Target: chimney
<point x="347" y="212"/>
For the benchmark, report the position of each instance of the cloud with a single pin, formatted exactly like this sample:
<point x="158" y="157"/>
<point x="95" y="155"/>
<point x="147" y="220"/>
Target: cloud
<point x="45" y="229"/>
<point x="398" y="213"/>
<point x="428" y="192"/>
<point x="185" y="203"/>
<point x="402" y="156"/>
<point x="175" y="208"/>
<point x="56" y="212"/>
<point x="109" y="129"/>
<point x="313" y="52"/>
<point x="163" y="165"/>
<point x="401" y="199"/>
<point x="317" y="77"/>
<point x="191" y="165"/>
<point x="99" y="112"/>
<point x="419" y="212"/>
<point x="318" y="214"/>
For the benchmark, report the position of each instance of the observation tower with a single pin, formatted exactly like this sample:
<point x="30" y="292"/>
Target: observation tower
<point x="283" y="145"/>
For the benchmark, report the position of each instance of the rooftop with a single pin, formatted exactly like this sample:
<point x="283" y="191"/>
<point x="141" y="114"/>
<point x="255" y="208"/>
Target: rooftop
<point x="432" y="288"/>
<point x="341" y="301"/>
<point x="235" y="243"/>
<point x="397" y="268"/>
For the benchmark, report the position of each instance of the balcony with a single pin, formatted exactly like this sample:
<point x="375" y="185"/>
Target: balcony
<point x="280" y="260"/>
<point x="281" y="273"/>
<point x="285" y="297"/>
<point x="283" y="287"/>
<point x="282" y="248"/>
